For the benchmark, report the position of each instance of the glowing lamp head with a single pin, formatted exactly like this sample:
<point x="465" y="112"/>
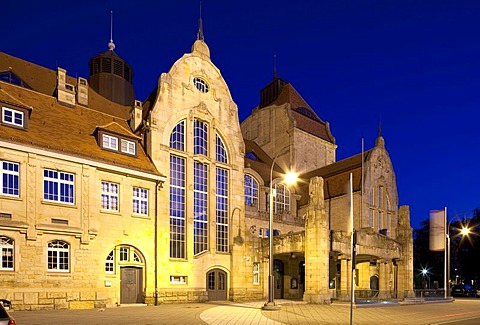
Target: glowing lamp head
<point x="465" y="231"/>
<point x="290" y="178"/>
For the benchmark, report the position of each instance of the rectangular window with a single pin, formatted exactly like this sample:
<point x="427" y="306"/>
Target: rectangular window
<point x="109" y="142"/>
<point x="10" y="178"/>
<point x="177" y="207"/>
<point x="58" y="186"/>
<point x="200" y="207"/>
<point x="128" y="147"/>
<point x="124" y="252"/>
<point x="6" y="254"/>
<point x="110" y="196"/>
<point x="13" y="117"/>
<point x="140" y="201"/>
<point x="178" y="279"/>
<point x="222" y="210"/>
<point x="380" y="220"/>
<point x="256" y="273"/>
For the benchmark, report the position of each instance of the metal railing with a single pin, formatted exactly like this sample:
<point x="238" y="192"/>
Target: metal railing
<point x="367" y="295"/>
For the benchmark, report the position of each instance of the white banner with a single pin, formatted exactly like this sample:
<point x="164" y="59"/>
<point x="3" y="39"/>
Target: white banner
<point x="437" y="230"/>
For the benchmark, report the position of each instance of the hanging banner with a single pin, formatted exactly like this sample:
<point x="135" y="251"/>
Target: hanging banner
<point x="437" y="230"/>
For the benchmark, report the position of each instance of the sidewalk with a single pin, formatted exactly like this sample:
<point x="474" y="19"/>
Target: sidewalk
<point x="225" y="313"/>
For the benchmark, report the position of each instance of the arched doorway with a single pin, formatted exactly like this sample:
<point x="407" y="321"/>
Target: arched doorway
<point x="129" y="263"/>
<point x="217" y="285"/>
<point x="374" y="285"/>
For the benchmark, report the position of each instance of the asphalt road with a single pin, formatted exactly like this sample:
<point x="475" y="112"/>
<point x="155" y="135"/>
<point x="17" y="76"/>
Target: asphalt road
<point x="461" y="311"/>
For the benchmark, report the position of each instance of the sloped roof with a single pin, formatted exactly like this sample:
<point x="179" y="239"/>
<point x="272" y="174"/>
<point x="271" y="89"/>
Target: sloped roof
<point x="69" y="131"/>
<point x="263" y="164"/>
<point x="336" y="177"/>
<point x="305" y="117"/>
<point x="44" y="80"/>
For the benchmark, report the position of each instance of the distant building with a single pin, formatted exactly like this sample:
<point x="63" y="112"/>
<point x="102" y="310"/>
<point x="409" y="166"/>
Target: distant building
<point x="107" y="200"/>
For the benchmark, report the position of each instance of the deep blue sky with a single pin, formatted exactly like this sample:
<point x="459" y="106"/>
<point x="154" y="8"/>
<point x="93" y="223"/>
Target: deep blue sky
<point x="413" y="65"/>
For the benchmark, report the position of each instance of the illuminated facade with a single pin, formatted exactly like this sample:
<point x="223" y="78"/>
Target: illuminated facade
<point x="107" y="200"/>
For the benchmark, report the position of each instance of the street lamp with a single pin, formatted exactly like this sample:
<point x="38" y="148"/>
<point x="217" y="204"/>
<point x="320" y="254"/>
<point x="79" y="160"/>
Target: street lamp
<point x="289" y="178"/>
<point x="425" y="274"/>
<point x="464" y="232"/>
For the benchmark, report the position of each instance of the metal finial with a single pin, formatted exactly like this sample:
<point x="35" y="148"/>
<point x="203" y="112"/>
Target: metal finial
<point x="200" y="36"/>
<point x="380" y="127"/>
<point x="274" y="65"/>
<point x="111" y="45"/>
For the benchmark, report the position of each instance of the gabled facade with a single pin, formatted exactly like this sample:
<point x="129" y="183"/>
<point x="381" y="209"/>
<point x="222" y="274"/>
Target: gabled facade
<point x="108" y="200"/>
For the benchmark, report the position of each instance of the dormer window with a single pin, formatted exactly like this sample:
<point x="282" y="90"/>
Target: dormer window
<point x="13" y="117"/>
<point x="128" y="147"/>
<point x="111" y="142"/>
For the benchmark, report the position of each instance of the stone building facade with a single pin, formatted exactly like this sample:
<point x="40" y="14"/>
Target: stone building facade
<point x="107" y="200"/>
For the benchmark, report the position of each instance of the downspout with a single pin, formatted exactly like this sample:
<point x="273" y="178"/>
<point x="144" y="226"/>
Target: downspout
<point x="157" y="186"/>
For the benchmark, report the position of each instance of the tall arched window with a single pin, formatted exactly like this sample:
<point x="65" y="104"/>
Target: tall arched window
<point x="251" y="191"/>
<point x="281" y="198"/>
<point x="221" y="196"/>
<point x="200" y="188"/>
<point x="6" y="253"/>
<point x="202" y="169"/>
<point x="177" y="193"/>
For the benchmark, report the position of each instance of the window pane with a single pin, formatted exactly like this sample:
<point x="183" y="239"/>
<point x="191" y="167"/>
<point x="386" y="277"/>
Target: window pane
<point x="58" y="186"/>
<point x="200" y="138"/>
<point x="177" y="137"/>
<point x="200" y="204"/>
<point x="177" y="207"/>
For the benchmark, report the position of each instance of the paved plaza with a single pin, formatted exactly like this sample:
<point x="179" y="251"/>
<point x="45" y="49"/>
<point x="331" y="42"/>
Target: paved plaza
<point x="291" y="312"/>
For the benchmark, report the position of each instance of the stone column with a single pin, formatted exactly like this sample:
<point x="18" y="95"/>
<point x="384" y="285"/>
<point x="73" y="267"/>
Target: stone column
<point x="405" y="264"/>
<point x="382" y="278"/>
<point x="317" y="248"/>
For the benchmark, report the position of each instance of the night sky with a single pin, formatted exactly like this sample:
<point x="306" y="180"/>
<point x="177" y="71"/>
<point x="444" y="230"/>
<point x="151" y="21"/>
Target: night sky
<point x="412" y="66"/>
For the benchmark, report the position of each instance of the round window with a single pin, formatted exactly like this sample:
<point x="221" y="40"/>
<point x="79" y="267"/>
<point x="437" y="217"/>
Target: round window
<point x="200" y="84"/>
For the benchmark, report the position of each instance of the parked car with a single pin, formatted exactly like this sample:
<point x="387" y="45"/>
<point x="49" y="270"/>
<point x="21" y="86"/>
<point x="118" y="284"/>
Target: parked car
<point x="5" y="318"/>
<point x="463" y="290"/>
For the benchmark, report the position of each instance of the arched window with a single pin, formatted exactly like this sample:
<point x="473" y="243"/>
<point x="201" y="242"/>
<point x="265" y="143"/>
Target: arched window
<point x="6" y="253"/>
<point x="58" y="258"/>
<point x="177" y="137"/>
<point x="177" y="193"/>
<point x="221" y="196"/>
<point x="200" y="138"/>
<point x="251" y="191"/>
<point x="281" y="198"/>
<point x="203" y="172"/>
<point x="110" y="263"/>
<point x="221" y="152"/>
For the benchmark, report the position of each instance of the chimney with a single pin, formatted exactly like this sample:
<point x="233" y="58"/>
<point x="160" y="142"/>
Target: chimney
<point x="82" y="91"/>
<point x="136" y="115"/>
<point x="65" y="91"/>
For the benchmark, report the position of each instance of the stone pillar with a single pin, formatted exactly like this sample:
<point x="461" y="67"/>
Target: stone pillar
<point x="382" y="278"/>
<point x="405" y="265"/>
<point x="317" y="246"/>
<point x="346" y="276"/>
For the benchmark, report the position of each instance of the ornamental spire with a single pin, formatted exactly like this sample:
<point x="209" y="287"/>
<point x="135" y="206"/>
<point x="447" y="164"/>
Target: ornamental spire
<point x="200" y="36"/>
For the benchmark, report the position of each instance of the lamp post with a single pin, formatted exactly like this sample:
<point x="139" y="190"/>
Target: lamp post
<point x="290" y="178"/>
<point x="465" y="231"/>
